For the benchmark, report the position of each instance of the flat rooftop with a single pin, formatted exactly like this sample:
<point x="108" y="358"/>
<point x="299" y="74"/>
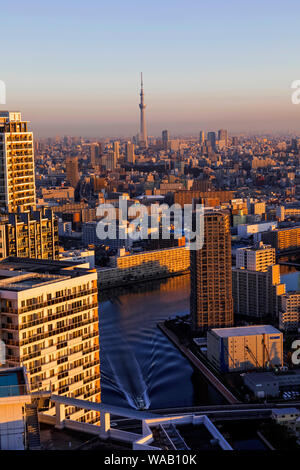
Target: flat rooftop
<point x="271" y="376"/>
<point x="25" y="273"/>
<point x="246" y="331"/>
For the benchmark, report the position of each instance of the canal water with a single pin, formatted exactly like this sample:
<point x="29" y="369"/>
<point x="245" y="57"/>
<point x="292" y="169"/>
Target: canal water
<point x="137" y="360"/>
<point x="138" y="363"/>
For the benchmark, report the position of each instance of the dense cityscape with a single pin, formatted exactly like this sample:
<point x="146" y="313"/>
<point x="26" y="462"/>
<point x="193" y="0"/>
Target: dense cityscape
<point x="149" y="288"/>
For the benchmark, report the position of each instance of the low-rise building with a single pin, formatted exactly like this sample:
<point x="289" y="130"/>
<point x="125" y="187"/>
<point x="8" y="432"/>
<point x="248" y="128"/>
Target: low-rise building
<point x="246" y="230"/>
<point x="145" y="265"/>
<point x="244" y="348"/>
<point x="283" y="239"/>
<point x="271" y="384"/>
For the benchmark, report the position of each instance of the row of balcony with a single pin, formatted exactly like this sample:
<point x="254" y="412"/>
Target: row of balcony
<point x="48" y="318"/>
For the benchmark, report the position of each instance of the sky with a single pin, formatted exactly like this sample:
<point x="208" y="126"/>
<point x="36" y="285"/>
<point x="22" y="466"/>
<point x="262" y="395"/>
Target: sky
<point x="73" y="67"/>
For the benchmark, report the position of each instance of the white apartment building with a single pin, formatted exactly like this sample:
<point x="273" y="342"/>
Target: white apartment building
<point x="256" y="258"/>
<point x="49" y="323"/>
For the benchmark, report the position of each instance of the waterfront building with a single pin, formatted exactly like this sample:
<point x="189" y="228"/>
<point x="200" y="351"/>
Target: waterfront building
<point x="211" y="280"/>
<point x="257" y="293"/>
<point x="283" y="239"/>
<point x="49" y="324"/>
<point x="255" y="258"/>
<point x="17" y="175"/>
<point x="145" y="265"/>
<point x="245" y="348"/>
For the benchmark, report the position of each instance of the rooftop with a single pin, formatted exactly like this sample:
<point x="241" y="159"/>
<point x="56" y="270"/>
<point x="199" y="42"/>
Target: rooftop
<point x="19" y="274"/>
<point x="246" y="331"/>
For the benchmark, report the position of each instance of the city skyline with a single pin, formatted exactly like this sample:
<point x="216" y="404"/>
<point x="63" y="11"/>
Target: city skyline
<point x="208" y="66"/>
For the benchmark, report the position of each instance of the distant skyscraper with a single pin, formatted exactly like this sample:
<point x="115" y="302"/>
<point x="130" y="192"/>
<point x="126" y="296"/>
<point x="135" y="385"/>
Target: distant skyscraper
<point x="117" y="150"/>
<point x="211" y="282"/>
<point x="95" y="153"/>
<point x="201" y="137"/>
<point x="72" y="170"/>
<point x="130" y="155"/>
<point x="165" y="139"/>
<point x="223" y="136"/>
<point x="110" y="160"/>
<point x="143" y="131"/>
<point x="17" y="180"/>
<point x="211" y="137"/>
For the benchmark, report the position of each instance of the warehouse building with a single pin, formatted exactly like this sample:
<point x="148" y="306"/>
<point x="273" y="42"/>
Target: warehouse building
<point x="244" y="348"/>
<point x="271" y="384"/>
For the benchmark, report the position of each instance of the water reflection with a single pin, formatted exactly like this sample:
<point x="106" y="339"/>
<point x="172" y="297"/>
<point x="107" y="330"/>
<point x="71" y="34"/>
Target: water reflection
<point x="137" y="360"/>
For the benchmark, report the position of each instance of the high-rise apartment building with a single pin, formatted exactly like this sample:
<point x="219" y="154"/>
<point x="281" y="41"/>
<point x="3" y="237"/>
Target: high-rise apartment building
<point x="130" y="155"/>
<point x="72" y="170"/>
<point x="165" y="139"/>
<point x="49" y="324"/>
<point x="117" y="150"/>
<point x="109" y="160"/>
<point x="31" y="234"/>
<point x="17" y="180"/>
<point x="201" y="137"/>
<point x="256" y="258"/>
<point x="211" y="138"/>
<point x="95" y="154"/>
<point x="223" y="136"/>
<point x="211" y="280"/>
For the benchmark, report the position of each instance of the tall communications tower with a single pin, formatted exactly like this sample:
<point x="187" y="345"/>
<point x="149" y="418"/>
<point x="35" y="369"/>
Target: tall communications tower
<point x="143" y="131"/>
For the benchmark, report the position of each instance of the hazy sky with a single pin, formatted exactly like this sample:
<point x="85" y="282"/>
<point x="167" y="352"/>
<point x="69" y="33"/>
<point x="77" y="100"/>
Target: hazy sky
<point x="72" y="67"/>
